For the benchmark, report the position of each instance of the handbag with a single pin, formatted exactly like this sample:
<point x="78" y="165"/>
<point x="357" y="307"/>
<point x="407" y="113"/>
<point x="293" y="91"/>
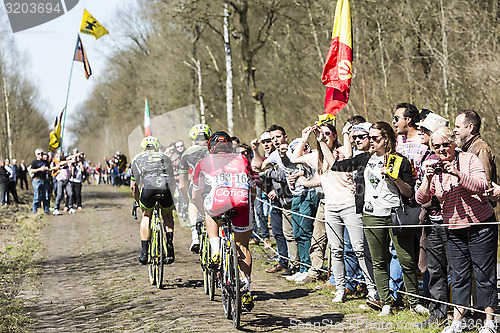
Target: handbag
<point x="405" y="215"/>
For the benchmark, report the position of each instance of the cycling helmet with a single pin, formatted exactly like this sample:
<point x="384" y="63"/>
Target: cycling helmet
<point x="220" y="142"/>
<point x="200" y="129"/>
<point x="150" y="142"/>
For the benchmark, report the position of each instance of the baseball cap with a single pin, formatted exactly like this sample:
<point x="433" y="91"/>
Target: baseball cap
<point x="294" y="143"/>
<point x="265" y="136"/>
<point x="433" y="121"/>
<point x="364" y="127"/>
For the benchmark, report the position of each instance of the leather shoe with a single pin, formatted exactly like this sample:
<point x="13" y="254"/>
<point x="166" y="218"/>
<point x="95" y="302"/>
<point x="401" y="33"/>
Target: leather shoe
<point x="329" y="286"/>
<point x="289" y="272"/>
<point x="374" y="304"/>
<point x="276" y="268"/>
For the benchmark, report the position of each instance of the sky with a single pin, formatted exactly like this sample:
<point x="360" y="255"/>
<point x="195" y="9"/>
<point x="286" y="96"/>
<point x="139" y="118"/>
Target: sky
<point x="50" y="47"/>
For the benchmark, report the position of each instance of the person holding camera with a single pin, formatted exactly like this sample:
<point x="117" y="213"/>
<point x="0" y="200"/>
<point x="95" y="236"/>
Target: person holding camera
<point x="377" y="193"/>
<point x="75" y="182"/>
<point x="459" y="184"/>
<point x="435" y="240"/>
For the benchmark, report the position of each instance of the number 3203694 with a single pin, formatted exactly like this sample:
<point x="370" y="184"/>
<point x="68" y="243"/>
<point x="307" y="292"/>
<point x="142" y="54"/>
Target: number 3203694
<point x="32" y="8"/>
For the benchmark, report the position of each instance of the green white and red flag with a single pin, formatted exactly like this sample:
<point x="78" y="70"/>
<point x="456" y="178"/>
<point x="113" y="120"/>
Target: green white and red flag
<point x="338" y="65"/>
<point x="147" y="120"/>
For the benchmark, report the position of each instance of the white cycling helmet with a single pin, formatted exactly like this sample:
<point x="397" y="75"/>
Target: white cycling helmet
<point x="200" y="129"/>
<point x="150" y="142"/>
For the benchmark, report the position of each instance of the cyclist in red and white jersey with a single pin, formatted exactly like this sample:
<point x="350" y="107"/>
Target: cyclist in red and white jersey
<point x="228" y="182"/>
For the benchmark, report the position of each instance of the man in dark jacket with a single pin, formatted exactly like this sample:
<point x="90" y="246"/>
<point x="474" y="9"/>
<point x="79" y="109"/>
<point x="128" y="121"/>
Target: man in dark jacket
<point x="4" y="179"/>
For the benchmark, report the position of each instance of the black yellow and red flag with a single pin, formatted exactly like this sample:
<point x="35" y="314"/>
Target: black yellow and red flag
<point x="338" y="65"/>
<point x="80" y="55"/>
<point x="55" y="134"/>
<point x="90" y="26"/>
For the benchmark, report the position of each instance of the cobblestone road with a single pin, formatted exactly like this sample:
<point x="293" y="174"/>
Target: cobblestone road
<point x="90" y="281"/>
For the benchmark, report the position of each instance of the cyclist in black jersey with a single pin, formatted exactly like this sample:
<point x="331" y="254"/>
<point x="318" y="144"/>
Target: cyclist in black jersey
<point x="190" y="158"/>
<point x="152" y="174"/>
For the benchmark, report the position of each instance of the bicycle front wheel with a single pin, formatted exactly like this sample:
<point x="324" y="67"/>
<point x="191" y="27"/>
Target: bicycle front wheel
<point x="235" y="278"/>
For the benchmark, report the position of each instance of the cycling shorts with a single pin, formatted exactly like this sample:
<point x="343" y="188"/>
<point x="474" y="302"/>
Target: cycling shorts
<point x="241" y="221"/>
<point x="148" y="199"/>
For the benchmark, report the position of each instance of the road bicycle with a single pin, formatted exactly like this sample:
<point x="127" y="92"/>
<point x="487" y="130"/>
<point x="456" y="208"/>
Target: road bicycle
<point x="157" y="249"/>
<point x="229" y="274"/>
<point x="209" y="274"/>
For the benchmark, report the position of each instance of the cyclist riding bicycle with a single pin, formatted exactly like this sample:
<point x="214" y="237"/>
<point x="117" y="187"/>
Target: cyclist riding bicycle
<point x="229" y="180"/>
<point x="152" y="175"/>
<point x="190" y="158"/>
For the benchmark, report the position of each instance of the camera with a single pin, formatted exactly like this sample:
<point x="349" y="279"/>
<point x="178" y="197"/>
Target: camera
<point x="439" y="168"/>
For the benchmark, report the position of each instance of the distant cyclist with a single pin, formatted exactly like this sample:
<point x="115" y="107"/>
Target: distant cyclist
<point x="152" y="174"/>
<point x="222" y="180"/>
<point x="189" y="159"/>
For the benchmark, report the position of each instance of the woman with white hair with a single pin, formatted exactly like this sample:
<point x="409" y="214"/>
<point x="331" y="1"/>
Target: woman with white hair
<point x="458" y="180"/>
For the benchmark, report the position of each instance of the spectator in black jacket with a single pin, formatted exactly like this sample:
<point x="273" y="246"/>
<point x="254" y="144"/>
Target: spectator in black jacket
<point x="4" y="179"/>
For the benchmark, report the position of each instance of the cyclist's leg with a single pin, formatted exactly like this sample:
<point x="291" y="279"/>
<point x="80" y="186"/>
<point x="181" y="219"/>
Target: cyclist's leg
<point x="147" y="204"/>
<point x="193" y="216"/>
<point x="167" y="206"/>
<point x="245" y="264"/>
<point x="244" y="255"/>
<point x="214" y="239"/>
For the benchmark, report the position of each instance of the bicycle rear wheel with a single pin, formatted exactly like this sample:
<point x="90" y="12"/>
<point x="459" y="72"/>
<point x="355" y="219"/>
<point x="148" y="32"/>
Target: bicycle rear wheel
<point x="151" y="255"/>
<point x="160" y="240"/>
<point x="235" y="279"/>
<point x="204" y="263"/>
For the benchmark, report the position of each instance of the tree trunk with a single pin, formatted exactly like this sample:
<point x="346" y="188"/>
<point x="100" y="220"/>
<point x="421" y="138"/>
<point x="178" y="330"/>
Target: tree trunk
<point x="7" y="114"/>
<point x="445" y="60"/>
<point x="200" y="84"/>
<point x="229" y="73"/>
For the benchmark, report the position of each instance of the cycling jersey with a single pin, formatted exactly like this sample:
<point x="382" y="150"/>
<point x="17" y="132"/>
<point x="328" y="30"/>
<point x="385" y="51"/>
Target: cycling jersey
<point x="228" y="177"/>
<point x="191" y="157"/>
<point x="154" y="173"/>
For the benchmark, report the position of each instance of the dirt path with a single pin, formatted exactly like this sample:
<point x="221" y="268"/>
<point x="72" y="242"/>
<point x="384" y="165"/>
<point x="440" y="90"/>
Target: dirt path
<point x="90" y="281"/>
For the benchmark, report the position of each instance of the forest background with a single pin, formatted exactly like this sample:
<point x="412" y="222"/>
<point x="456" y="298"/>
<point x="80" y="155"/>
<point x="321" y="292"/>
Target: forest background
<point x="442" y="55"/>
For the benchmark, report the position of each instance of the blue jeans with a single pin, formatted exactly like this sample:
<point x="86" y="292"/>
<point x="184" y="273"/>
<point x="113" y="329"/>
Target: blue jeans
<point x="474" y="249"/>
<point x="277" y="228"/>
<point x="305" y="204"/>
<point x="261" y="216"/>
<point x="40" y="195"/>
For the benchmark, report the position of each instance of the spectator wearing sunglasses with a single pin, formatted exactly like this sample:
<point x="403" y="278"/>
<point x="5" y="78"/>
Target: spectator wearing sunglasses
<point x="405" y="121"/>
<point x="459" y="184"/>
<point x="180" y="147"/>
<point x="377" y="194"/>
<point x="340" y="207"/>
<point x="433" y="243"/>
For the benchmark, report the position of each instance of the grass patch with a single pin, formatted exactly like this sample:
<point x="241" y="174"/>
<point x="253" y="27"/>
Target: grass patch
<point x="19" y="242"/>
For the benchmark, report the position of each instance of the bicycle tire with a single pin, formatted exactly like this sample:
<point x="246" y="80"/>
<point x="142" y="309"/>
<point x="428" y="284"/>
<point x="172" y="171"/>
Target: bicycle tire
<point x="235" y="285"/>
<point x="225" y="282"/>
<point x="204" y="264"/>
<point x="151" y="254"/>
<point x="212" y="278"/>
<point x="160" y="240"/>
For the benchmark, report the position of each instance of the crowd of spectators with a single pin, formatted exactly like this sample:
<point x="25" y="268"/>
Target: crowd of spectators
<point x="343" y="194"/>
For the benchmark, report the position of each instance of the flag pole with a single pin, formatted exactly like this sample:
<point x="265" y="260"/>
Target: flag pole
<point x="67" y="97"/>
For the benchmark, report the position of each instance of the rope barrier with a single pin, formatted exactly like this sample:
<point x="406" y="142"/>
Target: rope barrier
<point x="366" y="282"/>
<point x="384" y="226"/>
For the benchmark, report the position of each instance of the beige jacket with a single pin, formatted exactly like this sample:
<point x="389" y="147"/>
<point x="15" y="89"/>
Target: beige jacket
<point x="477" y="146"/>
